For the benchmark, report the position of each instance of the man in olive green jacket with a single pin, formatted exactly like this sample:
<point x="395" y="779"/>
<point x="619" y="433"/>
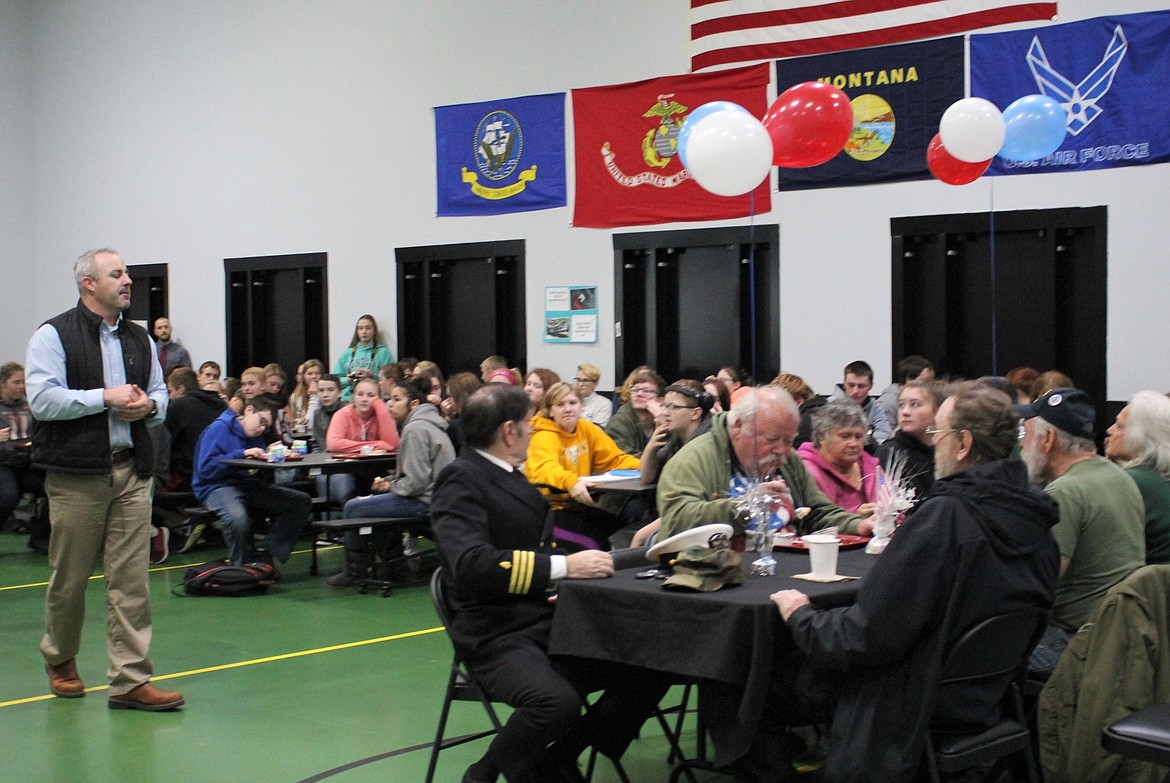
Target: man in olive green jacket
<point x="753" y="442"/>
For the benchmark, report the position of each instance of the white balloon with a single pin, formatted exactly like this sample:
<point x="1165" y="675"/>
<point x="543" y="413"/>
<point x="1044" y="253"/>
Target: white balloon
<point x="729" y="152"/>
<point x="972" y="130"/>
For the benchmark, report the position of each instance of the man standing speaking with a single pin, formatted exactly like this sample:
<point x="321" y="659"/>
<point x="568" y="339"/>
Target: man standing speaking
<point x="94" y="386"/>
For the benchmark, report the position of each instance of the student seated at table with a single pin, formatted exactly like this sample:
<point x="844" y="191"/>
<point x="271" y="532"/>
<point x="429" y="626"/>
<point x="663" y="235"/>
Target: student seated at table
<point x="423" y="451"/>
<point x="328" y="403"/>
<point x="704" y="483"/>
<point x="686" y="414"/>
<point x="564" y="449"/>
<point x="191" y="411"/>
<point x="499" y="566"/>
<point x="303" y="401"/>
<point x="460" y="386"/>
<point x="539" y="381"/>
<point x="912" y="446"/>
<point x="363" y="425"/>
<point x="978" y="546"/>
<point x="251" y="384"/>
<point x="633" y="423"/>
<point x="236" y="495"/>
<point x="837" y="459"/>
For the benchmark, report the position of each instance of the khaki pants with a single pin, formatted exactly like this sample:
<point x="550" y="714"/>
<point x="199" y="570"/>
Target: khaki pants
<point x="106" y="517"/>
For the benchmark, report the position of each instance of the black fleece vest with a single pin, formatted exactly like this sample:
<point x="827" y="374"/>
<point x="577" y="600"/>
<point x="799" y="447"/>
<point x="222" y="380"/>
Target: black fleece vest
<point x="83" y="445"/>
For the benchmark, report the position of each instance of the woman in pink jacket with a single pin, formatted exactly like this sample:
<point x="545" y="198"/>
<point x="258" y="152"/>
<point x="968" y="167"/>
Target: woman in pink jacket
<point x="363" y="423"/>
<point x="837" y="459"/>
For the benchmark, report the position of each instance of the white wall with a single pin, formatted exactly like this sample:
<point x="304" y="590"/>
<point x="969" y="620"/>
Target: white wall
<point x="16" y="171"/>
<point x="187" y="133"/>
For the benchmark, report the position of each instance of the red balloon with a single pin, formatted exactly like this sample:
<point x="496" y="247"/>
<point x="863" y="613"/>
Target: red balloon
<point x="809" y="123"/>
<point x="949" y="169"/>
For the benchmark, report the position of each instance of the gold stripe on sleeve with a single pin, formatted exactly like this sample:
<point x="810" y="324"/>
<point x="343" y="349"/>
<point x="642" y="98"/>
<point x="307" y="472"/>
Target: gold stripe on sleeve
<point x="523" y="564"/>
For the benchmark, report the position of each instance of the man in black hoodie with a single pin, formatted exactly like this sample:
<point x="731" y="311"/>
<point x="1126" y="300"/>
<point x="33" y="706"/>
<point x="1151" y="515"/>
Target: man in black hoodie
<point x="190" y="411"/>
<point x="979" y="545"/>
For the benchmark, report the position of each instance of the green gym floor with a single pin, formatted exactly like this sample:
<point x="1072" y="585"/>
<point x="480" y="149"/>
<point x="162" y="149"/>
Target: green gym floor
<point x="306" y="683"/>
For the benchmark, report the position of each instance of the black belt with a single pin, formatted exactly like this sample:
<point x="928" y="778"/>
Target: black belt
<point x="121" y="455"/>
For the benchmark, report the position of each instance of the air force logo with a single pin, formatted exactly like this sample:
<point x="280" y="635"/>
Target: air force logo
<point x="1079" y="100"/>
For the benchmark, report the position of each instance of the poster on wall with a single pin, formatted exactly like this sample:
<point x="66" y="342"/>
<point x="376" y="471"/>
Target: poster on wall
<point x="570" y="314"/>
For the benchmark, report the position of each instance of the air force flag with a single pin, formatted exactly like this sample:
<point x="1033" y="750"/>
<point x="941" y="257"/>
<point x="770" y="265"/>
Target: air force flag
<point x="501" y="156"/>
<point x="1108" y="73"/>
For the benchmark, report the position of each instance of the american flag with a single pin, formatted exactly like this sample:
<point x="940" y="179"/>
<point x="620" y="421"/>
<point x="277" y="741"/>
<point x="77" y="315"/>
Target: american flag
<point x="740" y="31"/>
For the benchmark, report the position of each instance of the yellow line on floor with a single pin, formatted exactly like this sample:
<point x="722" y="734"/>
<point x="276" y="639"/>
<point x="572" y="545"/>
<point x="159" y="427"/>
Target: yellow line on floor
<point x="253" y="662"/>
<point x="153" y="570"/>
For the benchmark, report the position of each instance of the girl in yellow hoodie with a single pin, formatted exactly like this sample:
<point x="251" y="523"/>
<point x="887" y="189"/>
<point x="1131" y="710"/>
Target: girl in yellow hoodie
<point x="564" y="448"/>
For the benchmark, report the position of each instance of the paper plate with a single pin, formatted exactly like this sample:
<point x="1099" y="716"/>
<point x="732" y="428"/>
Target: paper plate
<point x="847" y="542"/>
<point x="699" y="536"/>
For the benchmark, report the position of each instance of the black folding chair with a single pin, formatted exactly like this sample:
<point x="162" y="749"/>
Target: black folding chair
<point x="1143" y="735"/>
<point x="993" y="648"/>
<point x="461" y="686"/>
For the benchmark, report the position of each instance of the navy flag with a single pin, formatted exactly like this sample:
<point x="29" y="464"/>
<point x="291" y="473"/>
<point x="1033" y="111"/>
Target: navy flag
<point x="501" y="156"/>
<point x="898" y="95"/>
<point x="1109" y="74"/>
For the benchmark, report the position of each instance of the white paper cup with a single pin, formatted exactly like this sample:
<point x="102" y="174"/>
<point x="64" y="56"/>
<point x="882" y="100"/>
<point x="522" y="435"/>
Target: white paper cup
<point x="822" y="552"/>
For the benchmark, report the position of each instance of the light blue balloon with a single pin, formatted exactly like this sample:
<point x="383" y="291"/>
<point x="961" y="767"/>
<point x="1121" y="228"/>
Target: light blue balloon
<point x="684" y="133"/>
<point x="1035" y="128"/>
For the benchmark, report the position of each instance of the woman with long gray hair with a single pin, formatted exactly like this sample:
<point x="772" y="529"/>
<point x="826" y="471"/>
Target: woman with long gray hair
<point x="1139" y="441"/>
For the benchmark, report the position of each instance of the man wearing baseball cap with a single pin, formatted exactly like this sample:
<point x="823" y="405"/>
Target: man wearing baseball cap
<point x="1102" y="519"/>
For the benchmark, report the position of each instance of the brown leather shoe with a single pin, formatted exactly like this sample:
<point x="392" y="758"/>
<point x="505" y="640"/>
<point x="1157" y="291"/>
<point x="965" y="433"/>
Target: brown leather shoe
<point x="147" y="697"/>
<point x="64" y="680"/>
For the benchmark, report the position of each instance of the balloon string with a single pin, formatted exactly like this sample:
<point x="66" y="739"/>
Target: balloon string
<point x="752" y="276"/>
<point x="994" y="314"/>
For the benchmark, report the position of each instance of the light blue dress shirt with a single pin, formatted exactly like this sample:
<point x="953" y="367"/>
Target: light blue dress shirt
<point x="51" y="399"/>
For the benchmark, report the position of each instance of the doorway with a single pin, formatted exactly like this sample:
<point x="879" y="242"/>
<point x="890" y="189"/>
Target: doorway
<point x="979" y="294"/>
<point x="149" y="299"/>
<point x="688" y="302"/>
<point x="460" y="303"/>
<point x="277" y="311"/>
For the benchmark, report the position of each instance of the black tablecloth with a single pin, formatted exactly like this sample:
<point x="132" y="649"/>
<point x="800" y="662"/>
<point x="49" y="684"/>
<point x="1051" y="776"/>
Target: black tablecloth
<point x="727" y="639"/>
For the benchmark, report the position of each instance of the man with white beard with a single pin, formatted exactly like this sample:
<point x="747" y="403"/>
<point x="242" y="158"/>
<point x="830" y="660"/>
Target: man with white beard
<point x="1101" y="532"/>
<point x="752" y="442"/>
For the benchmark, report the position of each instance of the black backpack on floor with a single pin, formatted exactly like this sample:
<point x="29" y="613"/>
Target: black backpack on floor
<point x="219" y="578"/>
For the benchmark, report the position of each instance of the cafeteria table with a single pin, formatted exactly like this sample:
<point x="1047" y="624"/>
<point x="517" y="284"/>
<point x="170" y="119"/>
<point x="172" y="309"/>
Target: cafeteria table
<point x="726" y="640"/>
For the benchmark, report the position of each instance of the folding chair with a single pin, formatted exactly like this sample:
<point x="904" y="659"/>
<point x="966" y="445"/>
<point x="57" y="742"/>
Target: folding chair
<point x="995" y="647"/>
<point x="1143" y="735"/>
<point x="461" y="686"/>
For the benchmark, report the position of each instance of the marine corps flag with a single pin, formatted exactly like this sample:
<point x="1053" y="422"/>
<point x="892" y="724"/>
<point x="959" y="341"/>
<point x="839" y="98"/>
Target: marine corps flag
<point x="501" y="156"/>
<point x="1110" y="76"/>
<point x="898" y="95"/>
<point x="626" y="139"/>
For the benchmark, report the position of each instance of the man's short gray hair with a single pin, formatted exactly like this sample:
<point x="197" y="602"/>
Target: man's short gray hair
<point x="835" y="415"/>
<point x="86" y="265"/>
<point x="1147" y="432"/>
<point x="745" y="408"/>
<point x="1066" y="442"/>
<point x="987" y="414"/>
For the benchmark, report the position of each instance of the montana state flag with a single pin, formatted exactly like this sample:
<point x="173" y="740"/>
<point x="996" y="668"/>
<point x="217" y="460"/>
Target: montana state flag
<point x="501" y="156"/>
<point x="898" y="95"/>
<point x="1110" y="76"/>
<point x="626" y="139"/>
